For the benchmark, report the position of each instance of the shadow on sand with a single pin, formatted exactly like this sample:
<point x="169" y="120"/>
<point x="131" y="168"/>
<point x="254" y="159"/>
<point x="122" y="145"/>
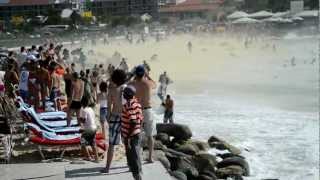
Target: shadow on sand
<point x="94" y="171"/>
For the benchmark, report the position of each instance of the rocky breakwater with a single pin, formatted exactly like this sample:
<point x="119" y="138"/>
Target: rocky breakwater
<point x="188" y="159"/>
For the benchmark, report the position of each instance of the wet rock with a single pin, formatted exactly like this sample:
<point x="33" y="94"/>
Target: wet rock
<point x="165" y="162"/>
<point x="188" y="148"/>
<point x="230" y="171"/>
<point x="158" y="145"/>
<point x="163" y="137"/>
<point x="237" y="161"/>
<point x="205" y="177"/>
<point x="204" y="162"/>
<point x="208" y="175"/>
<point x="202" y="146"/>
<point x="227" y="155"/>
<point x="179" y="175"/>
<point x="184" y="165"/>
<point x="160" y="156"/>
<point x="219" y="144"/>
<point x="178" y="131"/>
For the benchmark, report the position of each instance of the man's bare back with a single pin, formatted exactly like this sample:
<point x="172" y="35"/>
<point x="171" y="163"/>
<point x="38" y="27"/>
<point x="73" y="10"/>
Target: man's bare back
<point x="114" y="99"/>
<point x="77" y="90"/>
<point x="144" y="88"/>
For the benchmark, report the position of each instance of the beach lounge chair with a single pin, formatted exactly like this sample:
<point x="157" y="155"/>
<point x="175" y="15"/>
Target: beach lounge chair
<point x="29" y="115"/>
<point x="50" y="116"/>
<point x="49" y="140"/>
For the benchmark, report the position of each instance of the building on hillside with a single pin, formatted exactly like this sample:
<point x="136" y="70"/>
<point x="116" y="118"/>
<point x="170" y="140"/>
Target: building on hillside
<point x="32" y="8"/>
<point x="191" y="8"/>
<point x="169" y="2"/>
<point x="125" y="7"/>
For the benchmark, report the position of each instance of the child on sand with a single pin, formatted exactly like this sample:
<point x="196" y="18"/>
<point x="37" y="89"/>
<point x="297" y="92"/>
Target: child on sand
<point x="88" y="131"/>
<point x="131" y="122"/>
<point x="102" y="100"/>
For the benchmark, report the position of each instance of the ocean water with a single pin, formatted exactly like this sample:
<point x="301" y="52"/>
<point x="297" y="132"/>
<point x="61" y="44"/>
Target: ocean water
<point x="253" y="98"/>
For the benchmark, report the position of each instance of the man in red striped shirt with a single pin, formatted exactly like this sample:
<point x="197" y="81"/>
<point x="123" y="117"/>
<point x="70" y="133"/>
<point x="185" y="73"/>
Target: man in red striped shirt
<point x="131" y="123"/>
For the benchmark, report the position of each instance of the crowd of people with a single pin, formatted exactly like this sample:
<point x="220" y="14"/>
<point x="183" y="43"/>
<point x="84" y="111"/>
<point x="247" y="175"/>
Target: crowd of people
<point x="43" y="74"/>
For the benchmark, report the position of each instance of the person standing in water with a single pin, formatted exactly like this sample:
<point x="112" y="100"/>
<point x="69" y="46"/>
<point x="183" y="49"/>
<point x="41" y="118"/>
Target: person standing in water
<point x="144" y="85"/>
<point x="123" y="65"/>
<point x="189" y="47"/>
<point x="164" y="82"/>
<point x="168" y="113"/>
<point x="146" y="66"/>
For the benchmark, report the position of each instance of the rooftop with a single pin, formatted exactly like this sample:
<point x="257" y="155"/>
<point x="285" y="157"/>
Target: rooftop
<point x="26" y="2"/>
<point x="193" y="5"/>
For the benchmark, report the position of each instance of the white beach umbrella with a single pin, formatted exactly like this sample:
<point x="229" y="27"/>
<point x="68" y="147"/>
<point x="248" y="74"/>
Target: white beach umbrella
<point x="237" y="15"/>
<point x="145" y="17"/>
<point x="297" y="18"/>
<point x="281" y="14"/>
<point x="261" y="14"/>
<point x="66" y="13"/>
<point x="245" y="20"/>
<point x="273" y="19"/>
<point x="286" y="20"/>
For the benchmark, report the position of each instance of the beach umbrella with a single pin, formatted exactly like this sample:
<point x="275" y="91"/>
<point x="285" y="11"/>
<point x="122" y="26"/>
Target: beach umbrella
<point x="281" y="14"/>
<point x="261" y="14"/>
<point x="273" y="19"/>
<point x="286" y="20"/>
<point x="245" y="20"/>
<point x="237" y="15"/>
<point x="145" y="17"/>
<point x="297" y="18"/>
<point x="66" y="13"/>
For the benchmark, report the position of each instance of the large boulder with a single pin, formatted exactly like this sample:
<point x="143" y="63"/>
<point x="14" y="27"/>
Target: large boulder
<point x="230" y="171"/>
<point x="159" y="156"/>
<point x="238" y="161"/>
<point x="204" y="162"/>
<point x="207" y="175"/>
<point x="178" y="131"/>
<point x="165" y="162"/>
<point x="158" y="145"/>
<point x="184" y="165"/>
<point x="188" y="148"/>
<point x="227" y="155"/>
<point x="202" y="146"/>
<point x="215" y="142"/>
<point x="163" y="137"/>
<point x="179" y="175"/>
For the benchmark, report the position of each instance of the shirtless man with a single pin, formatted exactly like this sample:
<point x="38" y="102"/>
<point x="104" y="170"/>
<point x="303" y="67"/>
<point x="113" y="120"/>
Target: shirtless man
<point x="144" y="85"/>
<point x="168" y="114"/>
<point x="55" y="86"/>
<point x="77" y="93"/>
<point x="164" y="81"/>
<point x="123" y="65"/>
<point x="114" y="99"/>
<point x="44" y="80"/>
